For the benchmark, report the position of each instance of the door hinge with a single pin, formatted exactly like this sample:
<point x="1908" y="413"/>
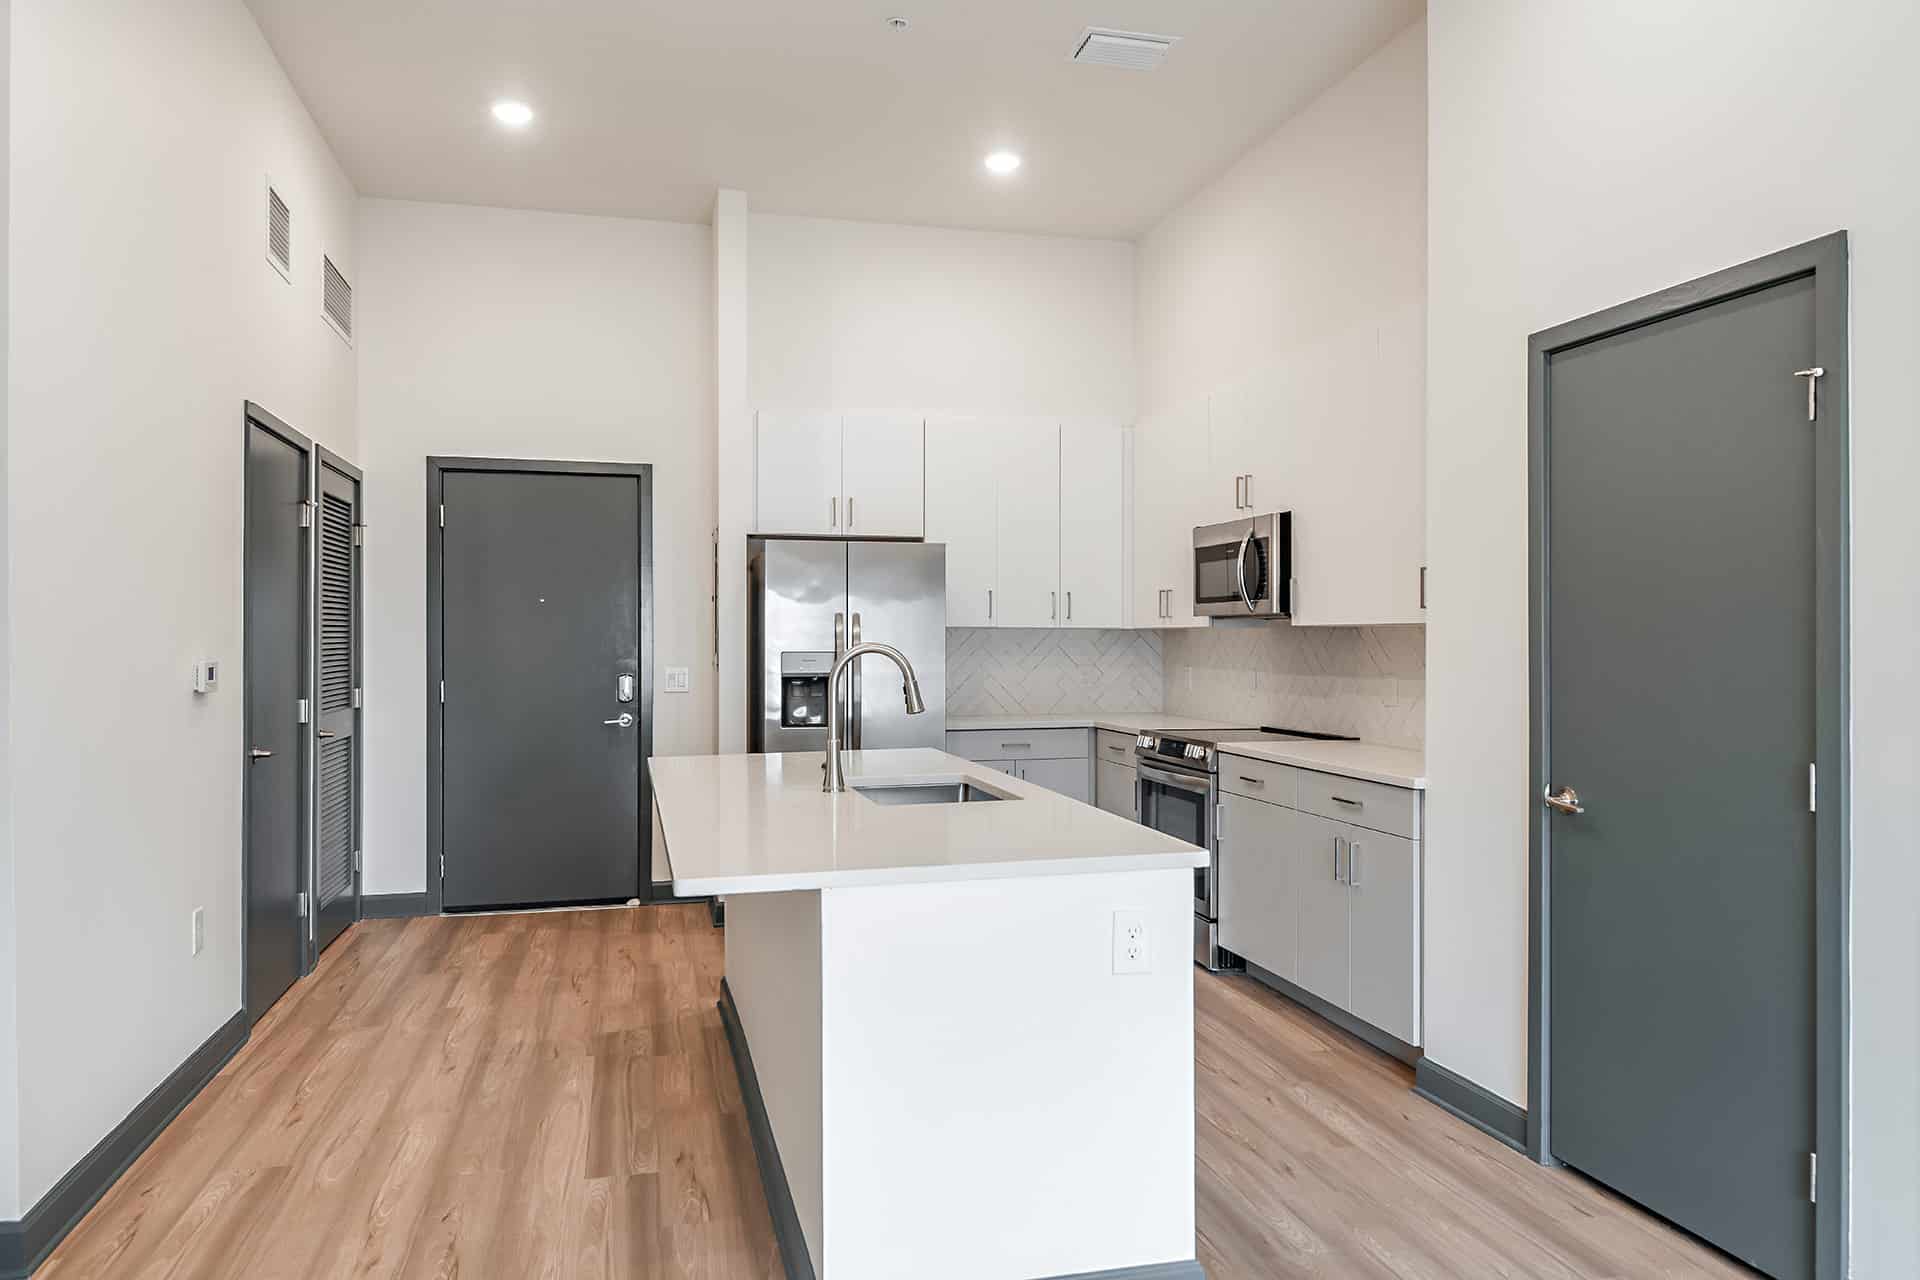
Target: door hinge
<point x="303" y="906"/>
<point x="1813" y="1177"/>
<point x="443" y="868"/>
<point x="1813" y="788"/>
<point x="359" y="535"/>
<point x="357" y="697"/>
<point x="356" y="862"/>
<point x="300" y="711"/>
<point x="443" y="515"/>
<point x="306" y="514"/>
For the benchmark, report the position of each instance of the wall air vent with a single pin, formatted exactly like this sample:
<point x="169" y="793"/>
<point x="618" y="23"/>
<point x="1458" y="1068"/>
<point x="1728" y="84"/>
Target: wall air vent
<point x="279" y="234"/>
<point x="336" y="300"/>
<point x="1134" y="50"/>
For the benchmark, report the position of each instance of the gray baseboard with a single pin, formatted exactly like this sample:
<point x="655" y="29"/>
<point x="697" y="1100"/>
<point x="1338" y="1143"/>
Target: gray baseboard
<point x="393" y="906"/>
<point x="1391" y="1045"/>
<point x="773" y="1175"/>
<point x="1488" y="1112"/>
<point x="25" y="1244"/>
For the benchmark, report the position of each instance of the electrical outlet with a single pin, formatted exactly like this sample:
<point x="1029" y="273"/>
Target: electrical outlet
<point x="1131" y="952"/>
<point x="199" y="930"/>
<point x="677" y="680"/>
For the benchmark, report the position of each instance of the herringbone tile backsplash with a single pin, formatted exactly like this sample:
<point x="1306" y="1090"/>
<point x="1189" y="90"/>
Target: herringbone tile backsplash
<point x="1368" y="681"/>
<point x="1008" y="671"/>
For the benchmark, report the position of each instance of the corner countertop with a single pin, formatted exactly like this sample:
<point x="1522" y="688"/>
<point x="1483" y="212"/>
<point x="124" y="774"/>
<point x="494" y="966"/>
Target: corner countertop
<point x="1133" y="722"/>
<point x="760" y="824"/>
<point x="1368" y="761"/>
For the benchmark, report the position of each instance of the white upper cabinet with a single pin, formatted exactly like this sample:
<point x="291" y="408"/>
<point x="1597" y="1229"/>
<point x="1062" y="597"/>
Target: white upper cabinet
<point x="1169" y="478"/>
<point x="1093" y="525"/>
<point x="882" y="475"/>
<point x="1028" y="528"/>
<point x="964" y="458"/>
<point x="829" y="476"/>
<point x="797" y="473"/>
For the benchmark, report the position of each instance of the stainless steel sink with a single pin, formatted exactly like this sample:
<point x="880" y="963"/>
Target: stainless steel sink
<point x="959" y="791"/>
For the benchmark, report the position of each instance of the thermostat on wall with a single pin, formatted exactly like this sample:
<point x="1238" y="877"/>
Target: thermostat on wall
<point x="206" y="674"/>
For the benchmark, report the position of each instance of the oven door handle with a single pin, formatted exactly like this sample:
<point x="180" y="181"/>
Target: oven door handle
<point x="1184" y="782"/>
<point x="1240" y="565"/>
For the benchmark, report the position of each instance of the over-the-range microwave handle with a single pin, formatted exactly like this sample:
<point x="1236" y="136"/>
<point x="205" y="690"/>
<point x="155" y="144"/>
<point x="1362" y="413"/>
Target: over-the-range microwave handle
<point x="1240" y="565"/>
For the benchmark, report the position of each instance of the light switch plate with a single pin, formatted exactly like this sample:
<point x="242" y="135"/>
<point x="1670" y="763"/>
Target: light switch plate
<point x="677" y="680"/>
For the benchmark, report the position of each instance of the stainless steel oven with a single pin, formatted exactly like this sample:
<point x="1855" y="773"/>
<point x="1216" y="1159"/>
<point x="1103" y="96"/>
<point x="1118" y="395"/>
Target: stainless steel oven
<point x="1181" y="798"/>
<point x="1244" y="568"/>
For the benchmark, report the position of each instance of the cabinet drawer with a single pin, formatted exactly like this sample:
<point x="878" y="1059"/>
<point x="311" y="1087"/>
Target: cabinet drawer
<point x="1374" y="805"/>
<point x="1114" y="748"/>
<point x="1018" y="744"/>
<point x="1259" y="779"/>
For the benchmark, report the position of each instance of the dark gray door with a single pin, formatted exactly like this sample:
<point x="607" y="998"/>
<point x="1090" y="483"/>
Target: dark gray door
<point x="337" y="754"/>
<point x="1681" y="708"/>
<point x="276" y="630"/>
<point x="541" y="759"/>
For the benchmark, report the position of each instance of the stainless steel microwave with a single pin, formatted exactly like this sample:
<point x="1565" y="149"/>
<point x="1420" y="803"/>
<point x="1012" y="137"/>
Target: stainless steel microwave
<point x="1244" y="568"/>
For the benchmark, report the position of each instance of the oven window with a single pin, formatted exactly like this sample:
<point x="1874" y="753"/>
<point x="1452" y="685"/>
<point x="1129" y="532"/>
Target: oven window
<point x="1175" y="811"/>
<point x="1214" y="568"/>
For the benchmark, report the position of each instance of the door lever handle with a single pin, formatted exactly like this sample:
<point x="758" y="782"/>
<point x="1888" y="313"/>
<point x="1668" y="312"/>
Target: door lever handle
<point x="624" y="720"/>
<point x="259" y="753"/>
<point x="1566" y="800"/>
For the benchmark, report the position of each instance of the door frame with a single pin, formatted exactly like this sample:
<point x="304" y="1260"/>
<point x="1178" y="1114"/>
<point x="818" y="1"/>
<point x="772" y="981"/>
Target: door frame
<point x="1825" y="262"/>
<point x="327" y="458"/>
<point x="437" y="467"/>
<point x="252" y="416"/>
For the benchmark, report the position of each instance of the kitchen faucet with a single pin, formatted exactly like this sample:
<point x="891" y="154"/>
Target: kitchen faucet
<point x="836" y="779"/>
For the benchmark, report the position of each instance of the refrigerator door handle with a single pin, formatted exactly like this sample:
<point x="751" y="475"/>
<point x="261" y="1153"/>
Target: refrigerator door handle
<point x="853" y="638"/>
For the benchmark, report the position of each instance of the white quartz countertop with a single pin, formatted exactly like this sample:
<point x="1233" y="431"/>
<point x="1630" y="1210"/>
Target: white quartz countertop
<point x="1369" y="761"/>
<point x="760" y="824"/>
<point x="1134" y="722"/>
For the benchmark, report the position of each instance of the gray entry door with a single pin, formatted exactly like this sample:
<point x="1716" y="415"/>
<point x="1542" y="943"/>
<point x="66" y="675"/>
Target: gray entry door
<point x="1681" y="708"/>
<point x="336" y="893"/>
<point x="541" y="600"/>
<point x="276" y="617"/>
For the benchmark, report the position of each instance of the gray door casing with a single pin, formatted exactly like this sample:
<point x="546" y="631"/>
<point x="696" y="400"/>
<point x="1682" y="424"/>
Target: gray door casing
<point x="1698" y="966"/>
<point x="275" y="594"/>
<point x="334" y="871"/>
<point x="516" y="671"/>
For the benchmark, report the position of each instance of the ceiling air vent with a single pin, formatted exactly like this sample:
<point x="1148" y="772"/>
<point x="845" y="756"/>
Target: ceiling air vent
<point x="1134" y="50"/>
<point x="279" y="234"/>
<point x="336" y="300"/>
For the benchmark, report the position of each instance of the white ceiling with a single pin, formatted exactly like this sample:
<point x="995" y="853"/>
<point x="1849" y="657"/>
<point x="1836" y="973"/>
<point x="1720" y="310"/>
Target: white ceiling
<point x="810" y="106"/>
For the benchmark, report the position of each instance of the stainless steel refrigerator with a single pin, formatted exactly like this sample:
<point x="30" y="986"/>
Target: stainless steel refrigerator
<point x="808" y="600"/>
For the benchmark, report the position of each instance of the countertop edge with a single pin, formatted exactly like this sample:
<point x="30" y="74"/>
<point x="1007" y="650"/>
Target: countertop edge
<point x="803" y="882"/>
<point x="1278" y="754"/>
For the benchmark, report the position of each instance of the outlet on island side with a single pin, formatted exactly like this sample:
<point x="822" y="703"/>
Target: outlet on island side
<point x="1131" y="953"/>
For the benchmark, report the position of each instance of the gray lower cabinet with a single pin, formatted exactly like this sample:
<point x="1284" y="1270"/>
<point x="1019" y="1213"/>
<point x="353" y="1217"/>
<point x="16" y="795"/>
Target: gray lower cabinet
<point x="1114" y="788"/>
<point x="1068" y="777"/>
<point x="1330" y="906"/>
<point x="1259" y="904"/>
<point x="1057" y="759"/>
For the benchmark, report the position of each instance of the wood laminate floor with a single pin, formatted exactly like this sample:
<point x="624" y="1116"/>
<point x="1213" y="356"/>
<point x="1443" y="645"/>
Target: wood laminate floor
<point x="550" y="1095"/>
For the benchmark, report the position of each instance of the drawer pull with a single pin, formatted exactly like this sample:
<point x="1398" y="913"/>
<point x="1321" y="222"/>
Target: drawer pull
<point x="1253" y="782"/>
<point x="1343" y="800"/>
<point x="1016" y="746"/>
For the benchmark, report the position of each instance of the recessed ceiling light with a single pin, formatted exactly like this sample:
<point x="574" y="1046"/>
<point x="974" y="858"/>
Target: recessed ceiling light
<point x="1002" y="162"/>
<point x="515" y="115"/>
<point x="898" y="24"/>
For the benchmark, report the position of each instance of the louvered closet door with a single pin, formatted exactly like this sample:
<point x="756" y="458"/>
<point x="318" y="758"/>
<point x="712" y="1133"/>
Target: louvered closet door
<point x="336" y="788"/>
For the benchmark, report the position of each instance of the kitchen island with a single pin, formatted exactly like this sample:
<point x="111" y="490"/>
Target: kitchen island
<point x="961" y="1008"/>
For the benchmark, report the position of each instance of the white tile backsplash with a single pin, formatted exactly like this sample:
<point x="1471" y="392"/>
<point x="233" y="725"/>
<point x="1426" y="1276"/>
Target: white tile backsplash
<point x="1368" y="681"/>
<point x="1009" y="671"/>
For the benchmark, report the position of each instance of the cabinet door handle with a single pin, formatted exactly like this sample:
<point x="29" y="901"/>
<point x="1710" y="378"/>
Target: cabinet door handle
<point x="833" y="513"/>
<point x="1249" y="490"/>
<point x="989" y="604"/>
<point x="849" y="513"/>
<point x="1069" y="606"/>
<point x="1353" y="864"/>
<point x="1053" y="606"/>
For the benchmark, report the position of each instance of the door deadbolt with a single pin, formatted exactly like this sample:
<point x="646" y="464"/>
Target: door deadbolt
<point x="623" y="686"/>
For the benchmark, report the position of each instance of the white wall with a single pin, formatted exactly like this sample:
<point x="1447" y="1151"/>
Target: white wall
<point x="9" y="1042"/>
<point x="1583" y="155"/>
<point x="498" y="333"/>
<point x="1318" y="229"/>
<point x="141" y="313"/>
<point x="865" y="315"/>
